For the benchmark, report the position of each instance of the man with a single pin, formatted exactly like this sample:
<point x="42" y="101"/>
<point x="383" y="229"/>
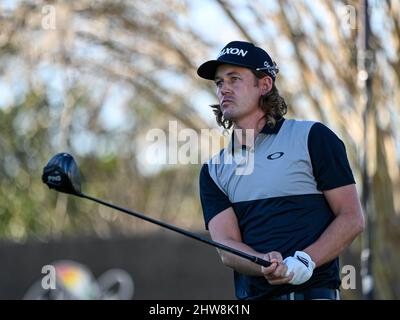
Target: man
<point x="297" y="207"/>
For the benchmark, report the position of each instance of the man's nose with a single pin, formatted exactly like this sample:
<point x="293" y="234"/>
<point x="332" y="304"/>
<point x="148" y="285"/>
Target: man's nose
<point x="225" y="88"/>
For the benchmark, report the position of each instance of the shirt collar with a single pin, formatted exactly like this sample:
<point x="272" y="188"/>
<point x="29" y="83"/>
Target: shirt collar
<point x="275" y="129"/>
<point x="265" y="130"/>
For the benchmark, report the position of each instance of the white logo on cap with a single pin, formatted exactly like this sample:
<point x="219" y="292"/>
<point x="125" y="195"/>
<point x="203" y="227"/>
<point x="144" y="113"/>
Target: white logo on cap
<point x="235" y="51"/>
<point x="270" y="69"/>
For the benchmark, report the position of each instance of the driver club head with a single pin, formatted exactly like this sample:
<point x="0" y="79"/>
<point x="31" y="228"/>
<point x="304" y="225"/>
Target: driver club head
<point x="62" y="174"/>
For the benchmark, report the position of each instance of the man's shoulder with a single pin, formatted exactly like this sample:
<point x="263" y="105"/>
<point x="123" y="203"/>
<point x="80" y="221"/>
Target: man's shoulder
<point x="216" y="158"/>
<point x="298" y="123"/>
<point x="299" y="127"/>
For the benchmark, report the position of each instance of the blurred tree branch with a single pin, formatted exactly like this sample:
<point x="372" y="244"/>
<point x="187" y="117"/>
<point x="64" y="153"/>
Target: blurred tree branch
<point x="139" y="58"/>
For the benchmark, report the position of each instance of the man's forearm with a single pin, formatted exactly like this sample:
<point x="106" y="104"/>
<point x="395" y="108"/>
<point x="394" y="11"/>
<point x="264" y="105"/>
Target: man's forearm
<point x="237" y="263"/>
<point x="338" y="236"/>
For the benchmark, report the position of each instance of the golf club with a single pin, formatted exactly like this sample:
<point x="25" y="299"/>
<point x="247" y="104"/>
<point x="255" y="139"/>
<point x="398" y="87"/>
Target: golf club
<point x="62" y="174"/>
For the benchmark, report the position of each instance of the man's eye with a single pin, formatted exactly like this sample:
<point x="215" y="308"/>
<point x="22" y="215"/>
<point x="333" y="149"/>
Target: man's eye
<point x="235" y="78"/>
<point x="218" y="83"/>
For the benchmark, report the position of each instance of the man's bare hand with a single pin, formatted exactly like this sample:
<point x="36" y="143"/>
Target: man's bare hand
<point x="275" y="273"/>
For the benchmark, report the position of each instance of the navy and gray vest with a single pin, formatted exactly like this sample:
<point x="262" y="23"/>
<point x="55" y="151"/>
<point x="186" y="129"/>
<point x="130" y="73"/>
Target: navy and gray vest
<point x="278" y="202"/>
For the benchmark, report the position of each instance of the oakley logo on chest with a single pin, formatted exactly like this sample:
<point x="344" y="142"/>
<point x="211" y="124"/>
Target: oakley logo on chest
<point x="239" y="52"/>
<point x="274" y="156"/>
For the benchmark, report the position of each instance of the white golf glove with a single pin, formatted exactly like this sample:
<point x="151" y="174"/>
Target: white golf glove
<point x="301" y="265"/>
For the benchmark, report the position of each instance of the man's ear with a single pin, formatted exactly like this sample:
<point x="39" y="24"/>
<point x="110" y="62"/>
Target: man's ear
<point x="266" y="84"/>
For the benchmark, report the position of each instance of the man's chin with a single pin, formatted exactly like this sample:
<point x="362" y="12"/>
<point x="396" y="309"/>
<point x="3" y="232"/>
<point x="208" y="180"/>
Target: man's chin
<point x="228" y="115"/>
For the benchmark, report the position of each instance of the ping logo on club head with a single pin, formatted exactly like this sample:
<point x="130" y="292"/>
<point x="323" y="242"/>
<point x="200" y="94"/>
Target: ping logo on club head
<point x="54" y="179"/>
<point x="275" y="155"/>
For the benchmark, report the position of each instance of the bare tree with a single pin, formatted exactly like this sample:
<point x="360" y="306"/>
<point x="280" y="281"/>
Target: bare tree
<point x="320" y="78"/>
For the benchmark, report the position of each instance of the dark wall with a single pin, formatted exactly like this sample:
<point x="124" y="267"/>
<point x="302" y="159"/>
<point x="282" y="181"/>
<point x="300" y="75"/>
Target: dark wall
<point x="162" y="266"/>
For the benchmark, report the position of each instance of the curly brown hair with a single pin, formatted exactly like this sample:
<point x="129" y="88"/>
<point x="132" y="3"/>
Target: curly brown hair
<point x="273" y="105"/>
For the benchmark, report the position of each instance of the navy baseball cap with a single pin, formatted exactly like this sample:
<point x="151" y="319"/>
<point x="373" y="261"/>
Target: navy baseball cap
<point x="242" y="54"/>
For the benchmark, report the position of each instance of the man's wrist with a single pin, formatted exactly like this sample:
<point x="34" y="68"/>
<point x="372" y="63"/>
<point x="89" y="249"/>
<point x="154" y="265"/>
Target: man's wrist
<point x="312" y="257"/>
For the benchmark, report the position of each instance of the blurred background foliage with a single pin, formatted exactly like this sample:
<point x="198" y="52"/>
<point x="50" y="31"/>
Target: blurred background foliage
<point x="93" y="77"/>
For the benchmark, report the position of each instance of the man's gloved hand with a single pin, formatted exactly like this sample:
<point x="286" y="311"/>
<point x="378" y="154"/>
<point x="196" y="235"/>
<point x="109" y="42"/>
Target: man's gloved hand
<point x="301" y="265"/>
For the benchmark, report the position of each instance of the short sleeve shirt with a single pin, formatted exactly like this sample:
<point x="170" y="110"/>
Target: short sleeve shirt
<point x="276" y="190"/>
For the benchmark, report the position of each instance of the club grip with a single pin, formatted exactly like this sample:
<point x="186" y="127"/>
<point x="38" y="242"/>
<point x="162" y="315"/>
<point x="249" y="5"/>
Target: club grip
<point x="262" y="262"/>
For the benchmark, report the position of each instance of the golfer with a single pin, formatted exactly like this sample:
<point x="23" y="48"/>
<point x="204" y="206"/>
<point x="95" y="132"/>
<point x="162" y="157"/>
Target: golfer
<point x="282" y="190"/>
